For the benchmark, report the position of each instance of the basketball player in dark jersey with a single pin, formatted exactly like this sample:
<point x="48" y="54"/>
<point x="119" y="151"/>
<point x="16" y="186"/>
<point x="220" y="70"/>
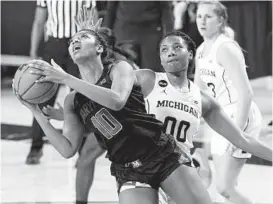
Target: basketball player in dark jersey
<point x="108" y="101"/>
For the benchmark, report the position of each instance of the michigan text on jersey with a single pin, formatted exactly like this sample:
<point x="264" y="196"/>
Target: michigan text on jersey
<point x="207" y="72"/>
<point x="179" y="106"/>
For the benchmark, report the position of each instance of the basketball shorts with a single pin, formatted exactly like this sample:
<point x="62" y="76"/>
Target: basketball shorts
<point x="219" y="145"/>
<point x="150" y="172"/>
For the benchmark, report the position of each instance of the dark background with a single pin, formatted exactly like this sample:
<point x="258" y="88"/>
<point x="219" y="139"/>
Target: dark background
<point x="251" y="20"/>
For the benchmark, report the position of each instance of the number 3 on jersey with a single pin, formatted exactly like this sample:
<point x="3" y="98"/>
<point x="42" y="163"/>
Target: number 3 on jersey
<point x="178" y="126"/>
<point x="212" y="86"/>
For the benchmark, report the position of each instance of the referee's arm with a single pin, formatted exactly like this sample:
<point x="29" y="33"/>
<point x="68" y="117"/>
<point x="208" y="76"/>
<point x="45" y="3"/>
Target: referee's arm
<point x="37" y="32"/>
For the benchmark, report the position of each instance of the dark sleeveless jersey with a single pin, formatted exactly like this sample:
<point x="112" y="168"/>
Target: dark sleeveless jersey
<point x="128" y="134"/>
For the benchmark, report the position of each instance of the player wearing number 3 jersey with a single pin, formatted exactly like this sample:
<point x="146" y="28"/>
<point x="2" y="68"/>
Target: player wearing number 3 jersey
<point x="180" y="104"/>
<point x="221" y="72"/>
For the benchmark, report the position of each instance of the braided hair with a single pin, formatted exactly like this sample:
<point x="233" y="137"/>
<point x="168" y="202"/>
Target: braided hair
<point x="190" y="46"/>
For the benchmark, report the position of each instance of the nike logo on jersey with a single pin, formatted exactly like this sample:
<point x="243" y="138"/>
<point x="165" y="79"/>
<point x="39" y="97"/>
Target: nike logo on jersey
<point x="178" y="106"/>
<point x="164" y="91"/>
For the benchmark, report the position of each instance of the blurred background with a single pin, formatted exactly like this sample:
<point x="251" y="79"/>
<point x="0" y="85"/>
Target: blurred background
<point x="53" y="180"/>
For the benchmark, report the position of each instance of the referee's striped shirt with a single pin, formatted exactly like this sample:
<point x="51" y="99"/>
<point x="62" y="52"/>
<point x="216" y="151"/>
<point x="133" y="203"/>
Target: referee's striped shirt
<point x="61" y="13"/>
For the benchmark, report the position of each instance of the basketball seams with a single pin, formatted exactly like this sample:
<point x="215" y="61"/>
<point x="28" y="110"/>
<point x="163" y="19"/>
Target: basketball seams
<point x="19" y="76"/>
<point x="44" y="94"/>
<point x="32" y="92"/>
<point x="26" y="90"/>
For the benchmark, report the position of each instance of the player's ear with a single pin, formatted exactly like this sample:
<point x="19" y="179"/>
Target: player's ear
<point x="190" y="55"/>
<point x="99" y="49"/>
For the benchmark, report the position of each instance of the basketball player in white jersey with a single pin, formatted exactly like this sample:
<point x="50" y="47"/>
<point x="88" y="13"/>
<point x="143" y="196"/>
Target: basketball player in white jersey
<point x="179" y="103"/>
<point x="221" y="72"/>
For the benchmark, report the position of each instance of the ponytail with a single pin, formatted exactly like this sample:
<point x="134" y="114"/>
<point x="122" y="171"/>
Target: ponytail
<point x="229" y="32"/>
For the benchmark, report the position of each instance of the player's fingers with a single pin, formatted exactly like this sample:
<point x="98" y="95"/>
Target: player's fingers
<point x="37" y="66"/>
<point x="76" y="21"/>
<point x="59" y="106"/>
<point x="85" y="17"/>
<point x="37" y="72"/>
<point x="41" y="80"/>
<point x="46" y="110"/>
<point x="49" y="107"/>
<point x="55" y="65"/>
<point x="91" y="16"/>
<point x="98" y="24"/>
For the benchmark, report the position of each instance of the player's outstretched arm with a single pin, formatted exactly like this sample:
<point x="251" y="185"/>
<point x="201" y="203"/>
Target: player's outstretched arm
<point x="122" y="75"/>
<point x="68" y="142"/>
<point x="217" y="119"/>
<point x="123" y="79"/>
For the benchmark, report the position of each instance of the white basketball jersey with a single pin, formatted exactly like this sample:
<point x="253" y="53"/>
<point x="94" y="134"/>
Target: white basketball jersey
<point x="214" y="75"/>
<point x="180" y="111"/>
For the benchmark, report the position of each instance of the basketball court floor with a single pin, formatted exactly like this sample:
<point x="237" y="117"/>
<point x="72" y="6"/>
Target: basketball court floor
<point x="53" y="180"/>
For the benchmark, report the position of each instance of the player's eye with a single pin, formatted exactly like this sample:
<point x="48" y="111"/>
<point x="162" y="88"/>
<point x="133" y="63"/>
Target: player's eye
<point x="84" y="36"/>
<point x="164" y="49"/>
<point x="178" y="46"/>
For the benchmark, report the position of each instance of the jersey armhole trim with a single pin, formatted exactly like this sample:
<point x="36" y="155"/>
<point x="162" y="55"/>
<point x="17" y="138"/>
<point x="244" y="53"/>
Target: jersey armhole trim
<point x="153" y="86"/>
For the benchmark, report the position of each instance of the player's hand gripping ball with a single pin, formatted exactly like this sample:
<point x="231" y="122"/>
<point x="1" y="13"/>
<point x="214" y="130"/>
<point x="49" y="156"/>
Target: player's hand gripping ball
<point x="26" y="87"/>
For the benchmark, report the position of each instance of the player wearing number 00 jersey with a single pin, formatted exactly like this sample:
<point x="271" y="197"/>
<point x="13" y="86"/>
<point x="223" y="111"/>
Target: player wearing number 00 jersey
<point x="180" y="110"/>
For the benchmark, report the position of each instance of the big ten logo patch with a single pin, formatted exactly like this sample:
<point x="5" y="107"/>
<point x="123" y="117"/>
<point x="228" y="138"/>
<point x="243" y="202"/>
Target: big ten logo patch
<point x="163" y="83"/>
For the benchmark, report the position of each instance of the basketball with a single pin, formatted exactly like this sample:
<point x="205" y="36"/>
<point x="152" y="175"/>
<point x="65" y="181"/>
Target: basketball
<point x="26" y="87"/>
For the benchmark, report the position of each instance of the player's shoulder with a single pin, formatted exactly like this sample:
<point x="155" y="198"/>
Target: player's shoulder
<point x="226" y="43"/>
<point x="229" y="50"/>
<point x="69" y="99"/>
<point x="121" y="65"/>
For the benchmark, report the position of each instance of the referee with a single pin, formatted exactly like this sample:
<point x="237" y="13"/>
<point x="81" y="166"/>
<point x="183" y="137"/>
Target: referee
<point x="58" y="17"/>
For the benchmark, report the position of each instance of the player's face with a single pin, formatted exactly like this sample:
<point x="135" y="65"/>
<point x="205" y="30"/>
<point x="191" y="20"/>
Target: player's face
<point x="174" y="54"/>
<point x="83" y="45"/>
<point x="208" y="23"/>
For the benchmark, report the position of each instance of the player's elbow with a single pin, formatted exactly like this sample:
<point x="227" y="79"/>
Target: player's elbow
<point x="68" y="153"/>
<point x="118" y="105"/>
<point x="118" y="102"/>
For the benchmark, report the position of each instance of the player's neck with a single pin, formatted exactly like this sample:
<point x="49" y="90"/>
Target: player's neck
<point x="210" y="39"/>
<point x="178" y="80"/>
<point x="91" y="70"/>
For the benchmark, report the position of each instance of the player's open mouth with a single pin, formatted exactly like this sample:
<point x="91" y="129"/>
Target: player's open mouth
<point x="172" y="60"/>
<point x="76" y="48"/>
